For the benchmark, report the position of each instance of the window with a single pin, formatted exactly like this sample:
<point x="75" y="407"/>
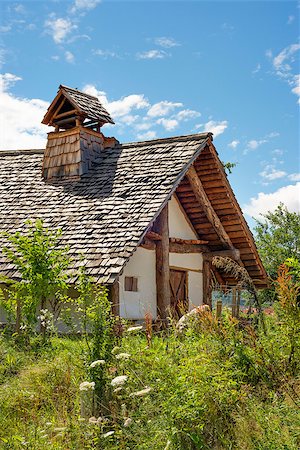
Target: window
<point x="131" y="284"/>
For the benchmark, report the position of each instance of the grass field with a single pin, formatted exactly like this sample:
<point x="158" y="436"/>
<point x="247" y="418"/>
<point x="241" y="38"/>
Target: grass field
<point x="215" y="387"/>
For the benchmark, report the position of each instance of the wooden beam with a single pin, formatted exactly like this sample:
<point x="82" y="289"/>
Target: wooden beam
<point x="115" y="298"/>
<point x="188" y="241"/>
<point x="187" y="248"/>
<point x="206" y="282"/>
<point x="202" y="198"/>
<point x="233" y="254"/>
<point x="152" y="236"/>
<point x="65" y="114"/>
<point x="163" y="296"/>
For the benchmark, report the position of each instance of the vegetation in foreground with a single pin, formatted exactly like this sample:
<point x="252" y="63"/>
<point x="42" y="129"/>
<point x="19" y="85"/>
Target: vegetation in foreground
<point x="220" y="384"/>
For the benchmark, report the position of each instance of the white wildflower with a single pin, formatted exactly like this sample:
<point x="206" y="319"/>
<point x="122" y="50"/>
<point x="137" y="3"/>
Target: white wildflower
<point x="87" y="385"/>
<point x="133" y="329"/>
<point x="81" y="419"/>
<point x="99" y="362"/>
<point x="141" y="393"/>
<point x="48" y="424"/>
<point x="93" y="420"/>
<point x="118" y="389"/>
<point x="123" y="356"/>
<point x="119" y="381"/>
<point x="127" y="422"/>
<point x="59" y="429"/>
<point x="109" y="433"/>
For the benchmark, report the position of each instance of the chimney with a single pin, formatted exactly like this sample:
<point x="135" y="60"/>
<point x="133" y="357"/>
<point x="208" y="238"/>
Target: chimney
<point x="77" y="140"/>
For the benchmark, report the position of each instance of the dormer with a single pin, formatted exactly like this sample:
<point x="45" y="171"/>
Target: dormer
<point x="77" y="140"/>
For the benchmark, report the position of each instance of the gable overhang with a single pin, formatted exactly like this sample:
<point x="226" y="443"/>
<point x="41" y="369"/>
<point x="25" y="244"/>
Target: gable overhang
<point x="235" y="233"/>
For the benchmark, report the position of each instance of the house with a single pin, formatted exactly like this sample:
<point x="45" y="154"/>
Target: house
<point x="147" y="216"/>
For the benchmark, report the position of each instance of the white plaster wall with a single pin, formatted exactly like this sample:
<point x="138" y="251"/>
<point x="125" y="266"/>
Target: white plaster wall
<point x="134" y="305"/>
<point x="178" y="226"/>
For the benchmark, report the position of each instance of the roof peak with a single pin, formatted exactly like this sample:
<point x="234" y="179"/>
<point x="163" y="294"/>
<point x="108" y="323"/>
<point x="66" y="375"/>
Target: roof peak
<point x="181" y="138"/>
<point x="63" y="86"/>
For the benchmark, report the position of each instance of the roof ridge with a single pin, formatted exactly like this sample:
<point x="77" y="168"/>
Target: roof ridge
<point x="196" y="136"/>
<point x="77" y="91"/>
<point x="31" y="151"/>
<point x="182" y="138"/>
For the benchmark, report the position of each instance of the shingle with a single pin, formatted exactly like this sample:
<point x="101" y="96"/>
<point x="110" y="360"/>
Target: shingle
<point x="105" y="214"/>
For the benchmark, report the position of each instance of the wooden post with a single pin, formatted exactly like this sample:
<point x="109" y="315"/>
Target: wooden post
<point x="219" y="309"/>
<point x="206" y="282"/>
<point x="162" y="264"/>
<point x="233" y="307"/>
<point x="238" y="303"/>
<point x="115" y="298"/>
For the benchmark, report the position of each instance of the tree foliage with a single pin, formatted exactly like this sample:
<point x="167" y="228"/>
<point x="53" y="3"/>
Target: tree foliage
<point x="277" y="239"/>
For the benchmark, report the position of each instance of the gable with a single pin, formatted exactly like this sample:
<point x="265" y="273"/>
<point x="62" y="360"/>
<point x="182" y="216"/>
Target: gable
<point x="178" y="224"/>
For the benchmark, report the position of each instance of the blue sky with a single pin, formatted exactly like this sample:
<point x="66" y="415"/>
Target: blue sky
<point x="163" y="69"/>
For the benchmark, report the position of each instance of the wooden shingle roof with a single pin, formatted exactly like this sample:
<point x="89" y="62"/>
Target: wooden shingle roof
<point x="87" y="105"/>
<point x="105" y="214"/>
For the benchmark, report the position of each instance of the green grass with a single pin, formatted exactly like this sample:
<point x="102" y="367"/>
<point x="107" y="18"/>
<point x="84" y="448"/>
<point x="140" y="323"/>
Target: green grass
<point x="211" y="388"/>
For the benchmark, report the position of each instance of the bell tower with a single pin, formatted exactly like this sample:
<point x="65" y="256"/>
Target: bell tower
<point x="77" y="140"/>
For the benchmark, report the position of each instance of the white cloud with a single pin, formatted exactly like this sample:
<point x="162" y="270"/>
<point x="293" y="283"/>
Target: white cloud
<point x="84" y="5"/>
<point x="253" y="144"/>
<point x="20" y="118"/>
<point x="147" y="135"/>
<point x="69" y="57"/>
<point x="166" y="42"/>
<point x="257" y="69"/>
<point x="120" y="107"/>
<point x="294" y="177"/>
<point x="152" y="54"/>
<point x="290" y="20"/>
<point x="5" y="28"/>
<point x="163" y="108"/>
<point x="59" y="28"/>
<point x="270" y="173"/>
<point x="213" y="126"/>
<point x="281" y="62"/>
<point x="105" y="53"/>
<point x="168" y="124"/>
<point x="143" y="126"/>
<point x="187" y="114"/>
<point x="233" y="144"/>
<point x="288" y="195"/>
<point x="283" y="65"/>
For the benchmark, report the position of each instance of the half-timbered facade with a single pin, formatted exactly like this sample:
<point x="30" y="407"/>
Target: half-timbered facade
<point x="147" y="216"/>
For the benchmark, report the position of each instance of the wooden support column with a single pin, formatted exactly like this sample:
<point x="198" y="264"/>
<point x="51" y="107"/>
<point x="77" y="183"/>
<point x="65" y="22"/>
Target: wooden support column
<point x="207" y="207"/>
<point x="115" y="298"/>
<point x="206" y="282"/>
<point x="162" y="264"/>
